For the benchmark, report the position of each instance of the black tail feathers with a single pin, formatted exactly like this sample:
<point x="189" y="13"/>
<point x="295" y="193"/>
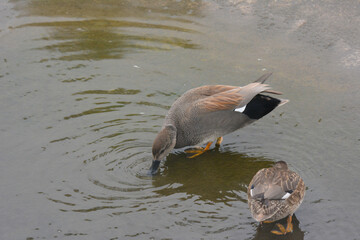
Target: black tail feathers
<point x="261" y="105"/>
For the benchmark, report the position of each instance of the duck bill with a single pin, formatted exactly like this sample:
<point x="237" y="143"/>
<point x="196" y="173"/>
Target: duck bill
<point x="154" y="167"/>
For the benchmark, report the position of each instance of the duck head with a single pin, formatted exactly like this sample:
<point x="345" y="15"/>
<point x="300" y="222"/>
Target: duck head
<point x="163" y="144"/>
<point x="281" y="165"/>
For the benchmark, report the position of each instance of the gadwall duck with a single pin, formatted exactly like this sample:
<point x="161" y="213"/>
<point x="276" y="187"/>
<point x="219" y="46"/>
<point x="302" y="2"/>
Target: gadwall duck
<point x="205" y="114"/>
<point x="275" y="193"/>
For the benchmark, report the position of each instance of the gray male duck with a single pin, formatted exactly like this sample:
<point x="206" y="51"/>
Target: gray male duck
<point x="204" y="114"/>
<point x="275" y="193"/>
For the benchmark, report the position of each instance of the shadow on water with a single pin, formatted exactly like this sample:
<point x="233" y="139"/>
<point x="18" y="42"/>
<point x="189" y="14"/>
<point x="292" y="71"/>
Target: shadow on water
<point x="263" y="231"/>
<point x="215" y="176"/>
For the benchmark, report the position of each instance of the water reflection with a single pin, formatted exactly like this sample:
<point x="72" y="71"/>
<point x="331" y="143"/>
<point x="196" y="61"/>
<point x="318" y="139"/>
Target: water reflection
<point x="263" y="231"/>
<point x="110" y="8"/>
<point x="216" y="176"/>
<point x="104" y="38"/>
<point x="107" y="39"/>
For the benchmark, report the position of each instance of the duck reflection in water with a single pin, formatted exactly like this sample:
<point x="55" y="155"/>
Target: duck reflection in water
<point x="217" y="177"/>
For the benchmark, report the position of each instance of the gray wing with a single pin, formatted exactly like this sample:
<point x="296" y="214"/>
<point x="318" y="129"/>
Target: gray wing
<point x="273" y="185"/>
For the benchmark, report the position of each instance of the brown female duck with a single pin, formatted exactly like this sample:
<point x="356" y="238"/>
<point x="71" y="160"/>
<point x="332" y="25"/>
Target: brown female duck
<point x="205" y="114"/>
<point x="275" y="193"/>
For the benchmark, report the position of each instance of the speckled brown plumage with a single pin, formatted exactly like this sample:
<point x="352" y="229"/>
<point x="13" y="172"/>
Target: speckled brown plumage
<point x="269" y="186"/>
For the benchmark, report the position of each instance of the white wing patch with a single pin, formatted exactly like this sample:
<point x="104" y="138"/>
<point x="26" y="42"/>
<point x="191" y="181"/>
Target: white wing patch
<point x="286" y="195"/>
<point x="251" y="193"/>
<point x="240" y="109"/>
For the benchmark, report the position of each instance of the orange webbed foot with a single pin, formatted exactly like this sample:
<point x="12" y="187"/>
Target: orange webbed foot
<point x="289" y="227"/>
<point x="283" y="230"/>
<point x="198" y="151"/>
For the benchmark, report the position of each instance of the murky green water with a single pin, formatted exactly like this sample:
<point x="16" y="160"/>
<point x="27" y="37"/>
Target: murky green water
<point x="85" y="86"/>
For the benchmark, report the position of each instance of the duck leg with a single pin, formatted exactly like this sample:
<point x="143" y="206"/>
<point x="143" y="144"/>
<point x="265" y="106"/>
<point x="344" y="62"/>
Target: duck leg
<point x="283" y="230"/>
<point x="219" y="141"/>
<point x="198" y="151"/>
<point x="289" y="227"/>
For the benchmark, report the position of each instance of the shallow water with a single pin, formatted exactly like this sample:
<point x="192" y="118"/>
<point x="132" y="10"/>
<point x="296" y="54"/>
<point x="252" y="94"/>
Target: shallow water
<point x="85" y="86"/>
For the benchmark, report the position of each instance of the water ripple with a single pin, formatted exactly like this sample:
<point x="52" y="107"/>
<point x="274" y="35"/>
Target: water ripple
<point x="99" y="39"/>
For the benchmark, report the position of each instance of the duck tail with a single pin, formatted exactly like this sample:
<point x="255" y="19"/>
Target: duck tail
<point x="263" y="78"/>
<point x="261" y="105"/>
<point x="283" y="101"/>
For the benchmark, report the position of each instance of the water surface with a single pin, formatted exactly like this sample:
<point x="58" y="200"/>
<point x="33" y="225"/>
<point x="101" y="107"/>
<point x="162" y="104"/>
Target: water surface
<point x="85" y="86"/>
